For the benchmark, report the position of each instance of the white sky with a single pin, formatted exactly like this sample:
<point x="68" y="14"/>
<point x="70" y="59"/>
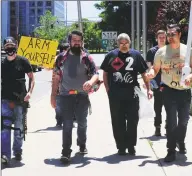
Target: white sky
<point x="87" y="9"/>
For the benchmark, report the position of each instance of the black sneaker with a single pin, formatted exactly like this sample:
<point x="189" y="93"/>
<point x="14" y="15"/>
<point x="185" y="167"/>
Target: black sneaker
<point x="59" y="124"/>
<point x="181" y="147"/>
<point x="121" y="152"/>
<point x="4" y="160"/>
<point x="158" y="131"/>
<point x="171" y="156"/>
<point x="18" y="156"/>
<point x="131" y="150"/>
<point x="83" y="149"/>
<point x="66" y="157"/>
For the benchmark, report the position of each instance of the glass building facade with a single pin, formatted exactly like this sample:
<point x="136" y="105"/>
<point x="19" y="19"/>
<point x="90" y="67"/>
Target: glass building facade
<point x="23" y="17"/>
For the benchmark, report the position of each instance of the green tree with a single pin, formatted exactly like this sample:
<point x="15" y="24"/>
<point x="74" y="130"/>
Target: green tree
<point x="172" y="12"/>
<point x="50" y="28"/>
<point x="92" y="34"/>
<point x="115" y="16"/>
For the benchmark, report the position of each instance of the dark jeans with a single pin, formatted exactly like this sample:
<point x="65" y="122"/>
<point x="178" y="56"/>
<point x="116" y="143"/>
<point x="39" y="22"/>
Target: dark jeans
<point x="158" y="104"/>
<point x="177" y="104"/>
<point x="58" y="111"/>
<point x="124" y="116"/>
<point x="70" y="105"/>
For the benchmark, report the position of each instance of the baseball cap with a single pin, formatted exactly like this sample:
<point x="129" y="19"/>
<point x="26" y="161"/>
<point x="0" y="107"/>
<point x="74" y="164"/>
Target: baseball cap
<point x="9" y="41"/>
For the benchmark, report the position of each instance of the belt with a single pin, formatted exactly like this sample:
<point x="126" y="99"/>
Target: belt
<point x="73" y="92"/>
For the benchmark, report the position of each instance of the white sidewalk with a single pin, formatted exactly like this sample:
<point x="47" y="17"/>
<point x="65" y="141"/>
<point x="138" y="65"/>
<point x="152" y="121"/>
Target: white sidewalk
<point x="43" y="145"/>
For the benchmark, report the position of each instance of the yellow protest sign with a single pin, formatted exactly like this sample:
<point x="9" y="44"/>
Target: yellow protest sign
<point x="38" y="51"/>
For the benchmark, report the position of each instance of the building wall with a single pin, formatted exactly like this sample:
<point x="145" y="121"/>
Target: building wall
<point x="59" y="10"/>
<point x="4" y="19"/>
<point x="22" y="17"/>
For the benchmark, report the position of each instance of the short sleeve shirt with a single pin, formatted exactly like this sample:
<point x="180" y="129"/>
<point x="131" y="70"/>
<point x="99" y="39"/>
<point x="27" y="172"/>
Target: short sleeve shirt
<point x="169" y="60"/>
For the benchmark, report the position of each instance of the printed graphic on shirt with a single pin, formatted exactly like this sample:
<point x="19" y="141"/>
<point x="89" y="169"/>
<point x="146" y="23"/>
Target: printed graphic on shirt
<point x="117" y="63"/>
<point x="172" y="62"/>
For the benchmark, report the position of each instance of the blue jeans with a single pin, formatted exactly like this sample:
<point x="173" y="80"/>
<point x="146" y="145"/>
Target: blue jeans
<point x="17" y="119"/>
<point x="177" y="105"/>
<point x="18" y="123"/>
<point x="71" y="105"/>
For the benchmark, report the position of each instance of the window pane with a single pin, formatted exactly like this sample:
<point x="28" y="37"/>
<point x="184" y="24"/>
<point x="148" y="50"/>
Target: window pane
<point x="13" y="20"/>
<point x="40" y="3"/>
<point x="13" y="12"/>
<point x="32" y="12"/>
<point x="32" y="20"/>
<point x="32" y="4"/>
<point x="12" y="3"/>
<point x="48" y="3"/>
<point x="39" y="12"/>
<point x="38" y="19"/>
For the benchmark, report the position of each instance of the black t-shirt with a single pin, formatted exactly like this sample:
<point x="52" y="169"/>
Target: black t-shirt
<point x="13" y="78"/>
<point x="150" y="58"/>
<point x="122" y="69"/>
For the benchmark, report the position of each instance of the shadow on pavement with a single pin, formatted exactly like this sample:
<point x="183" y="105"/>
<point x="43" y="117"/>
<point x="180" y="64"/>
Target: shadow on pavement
<point x="115" y="158"/>
<point x="84" y="161"/>
<point x="55" y="161"/>
<point x="12" y="164"/>
<point x="54" y="128"/>
<point x="154" y="138"/>
<point x="77" y="159"/>
<point x="181" y="160"/>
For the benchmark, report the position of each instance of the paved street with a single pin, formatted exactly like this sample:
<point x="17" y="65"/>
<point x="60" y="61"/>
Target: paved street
<point x="42" y="148"/>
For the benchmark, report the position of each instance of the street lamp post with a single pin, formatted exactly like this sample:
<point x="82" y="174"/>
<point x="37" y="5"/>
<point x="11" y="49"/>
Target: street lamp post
<point x="79" y="15"/>
<point x="144" y="28"/>
<point x="138" y="25"/>
<point x="133" y="23"/>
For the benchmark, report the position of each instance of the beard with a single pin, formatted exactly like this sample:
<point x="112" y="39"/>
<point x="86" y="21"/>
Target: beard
<point x="76" y="50"/>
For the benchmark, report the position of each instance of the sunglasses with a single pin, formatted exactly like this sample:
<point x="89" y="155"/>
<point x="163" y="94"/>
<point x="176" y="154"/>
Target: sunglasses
<point x="171" y="34"/>
<point x="124" y="44"/>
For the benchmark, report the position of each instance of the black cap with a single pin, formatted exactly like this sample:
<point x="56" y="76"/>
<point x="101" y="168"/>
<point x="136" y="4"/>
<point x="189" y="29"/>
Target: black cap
<point x="9" y="41"/>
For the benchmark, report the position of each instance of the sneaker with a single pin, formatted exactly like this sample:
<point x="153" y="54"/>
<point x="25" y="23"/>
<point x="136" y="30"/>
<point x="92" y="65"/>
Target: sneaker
<point x="131" y="150"/>
<point x="18" y="156"/>
<point x="171" y="156"/>
<point x="121" y="152"/>
<point x="59" y="124"/>
<point x="181" y="147"/>
<point x="83" y="149"/>
<point x="66" y="157"/>
<point x="158" y="131"/>
<point x="4" y="160"/>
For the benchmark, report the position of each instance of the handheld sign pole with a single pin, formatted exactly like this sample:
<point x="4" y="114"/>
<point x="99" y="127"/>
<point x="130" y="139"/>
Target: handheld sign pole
<point x="186" y="70"/>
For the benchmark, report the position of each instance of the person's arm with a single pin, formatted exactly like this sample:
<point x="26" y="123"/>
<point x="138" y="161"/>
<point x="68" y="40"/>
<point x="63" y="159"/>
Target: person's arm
<point x="105" y="80"/>
<point x="105" y="68"/>
<point x="149" y="58"/>
<point x="93" y="72"/>
<point x="142" y="69"/>
<point x="154" y="70"/>
<point x="188" y="79"/>
<point x="31" y="82"/>
<point x="56" y="76"/>
<point x="29" y="71"/>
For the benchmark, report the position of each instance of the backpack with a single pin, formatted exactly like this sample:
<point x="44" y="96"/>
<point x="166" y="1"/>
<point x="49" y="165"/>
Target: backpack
<point x="86" y="59"/>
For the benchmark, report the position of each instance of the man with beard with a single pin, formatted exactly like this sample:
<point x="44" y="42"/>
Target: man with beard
<point x="74" y="74"/>
<point x="120" y="69"/>
<point x="13" y="90"/>
<point x="176" y="98"/>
